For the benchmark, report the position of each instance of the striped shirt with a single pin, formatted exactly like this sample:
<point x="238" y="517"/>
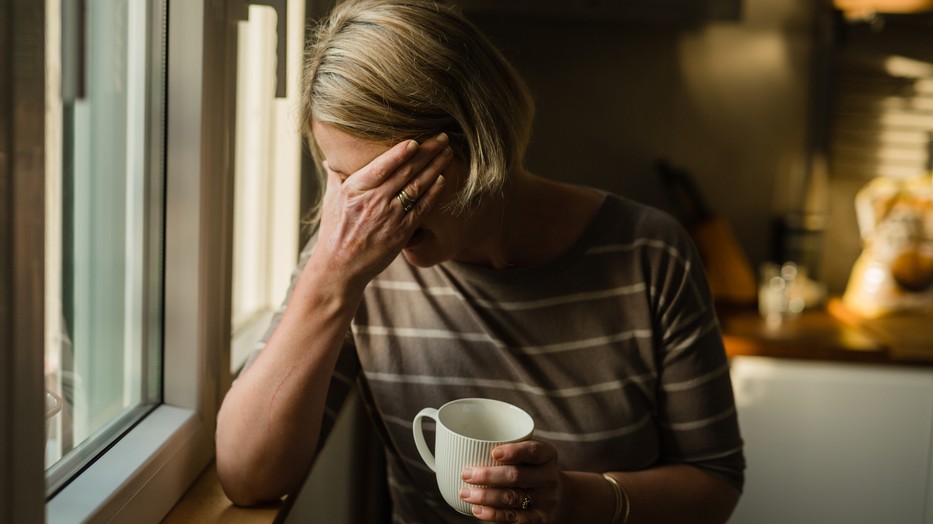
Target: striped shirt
<point x="613" y="348"/>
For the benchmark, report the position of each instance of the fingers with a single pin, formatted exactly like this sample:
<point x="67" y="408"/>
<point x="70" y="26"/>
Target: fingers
<point x="522" y="488"/>
<point x="491" y="514"/>
<point x="507" y="505"/>
<point x="419" y="171"/>
<point x="376" y="172"/>
<point x="400" y="165"/>
<point x="426" y="201"/>
<point x="521" y="465"/>
<point x="527" y="452"/>
<point x="502" y="498"/>
<point x="510" y="476"/>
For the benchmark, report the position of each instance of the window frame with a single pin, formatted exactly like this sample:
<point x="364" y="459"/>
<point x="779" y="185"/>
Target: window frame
<point x="279" y="160"/>
<point x="22" y="220"/>
<point x="153" y="464"/>
<point x="147" y="470"/>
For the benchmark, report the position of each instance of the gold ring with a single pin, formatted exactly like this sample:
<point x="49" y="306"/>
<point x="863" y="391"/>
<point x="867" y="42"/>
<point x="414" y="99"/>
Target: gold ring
<point x="526" y="502"/>
<point x="407" y="201"/>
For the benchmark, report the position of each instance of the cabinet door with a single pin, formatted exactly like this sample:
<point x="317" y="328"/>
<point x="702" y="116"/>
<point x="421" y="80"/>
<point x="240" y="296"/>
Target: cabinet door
<point x="833" y="442"/>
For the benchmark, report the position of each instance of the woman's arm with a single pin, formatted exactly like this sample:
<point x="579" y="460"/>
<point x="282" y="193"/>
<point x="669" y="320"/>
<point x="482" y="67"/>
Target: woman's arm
<point x="270" y="421"/>
<point x="666" y="494"/>
<point x="662" y="495"/>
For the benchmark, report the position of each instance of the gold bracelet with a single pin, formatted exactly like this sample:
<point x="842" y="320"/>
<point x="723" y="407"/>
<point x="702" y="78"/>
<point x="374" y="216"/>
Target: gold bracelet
<point x="620" y="496"/>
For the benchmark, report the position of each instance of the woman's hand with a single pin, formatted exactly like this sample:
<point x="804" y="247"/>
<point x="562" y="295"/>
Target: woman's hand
<point x="364" y="223"/>
<point x="526" y="487"/>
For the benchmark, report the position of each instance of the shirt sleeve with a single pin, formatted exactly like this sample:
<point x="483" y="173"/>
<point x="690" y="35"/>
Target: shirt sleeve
<point x="697" y="415"/>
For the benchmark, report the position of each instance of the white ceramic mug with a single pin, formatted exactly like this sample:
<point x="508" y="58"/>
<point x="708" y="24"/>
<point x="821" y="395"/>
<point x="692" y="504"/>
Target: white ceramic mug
<point x="467" y="431"/>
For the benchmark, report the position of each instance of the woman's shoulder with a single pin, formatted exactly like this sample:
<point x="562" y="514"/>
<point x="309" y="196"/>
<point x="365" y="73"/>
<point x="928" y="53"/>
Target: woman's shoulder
<point x="626" y="219"/>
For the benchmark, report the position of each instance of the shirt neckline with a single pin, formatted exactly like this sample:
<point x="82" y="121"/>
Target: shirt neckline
<point x="535" y="272"/>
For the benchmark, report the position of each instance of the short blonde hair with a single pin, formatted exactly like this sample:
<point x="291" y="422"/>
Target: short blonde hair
<point x="391" y="70"/>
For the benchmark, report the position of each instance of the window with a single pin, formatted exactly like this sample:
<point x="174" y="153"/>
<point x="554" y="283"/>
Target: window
<point x="103" y="183"/>
<point x="881" y="99"/>
<point x="117" y="241"/>
<point x="266" y="166"/>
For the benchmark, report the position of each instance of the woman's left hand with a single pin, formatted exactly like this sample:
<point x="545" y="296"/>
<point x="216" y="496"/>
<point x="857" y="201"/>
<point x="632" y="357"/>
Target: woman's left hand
<point x="526" y="487"/>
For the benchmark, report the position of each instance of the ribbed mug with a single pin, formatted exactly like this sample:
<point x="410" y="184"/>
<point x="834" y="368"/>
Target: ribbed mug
<point x="467" y="431"/>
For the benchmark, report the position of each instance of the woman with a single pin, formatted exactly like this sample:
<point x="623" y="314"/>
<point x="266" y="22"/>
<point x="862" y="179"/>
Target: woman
<point x="589" y="311"/>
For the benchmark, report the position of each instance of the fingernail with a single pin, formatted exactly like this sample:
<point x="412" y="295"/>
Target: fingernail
<point x="498" y="454"/>
<point x="442" y="137"/>
<point x="448" y="152"/>
<point x="412" y="145"/>
<point x="465" y="493"/>
<point x="467" y="474"/>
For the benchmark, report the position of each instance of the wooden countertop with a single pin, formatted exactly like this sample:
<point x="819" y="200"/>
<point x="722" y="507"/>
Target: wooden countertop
<point x="830" y="333"/>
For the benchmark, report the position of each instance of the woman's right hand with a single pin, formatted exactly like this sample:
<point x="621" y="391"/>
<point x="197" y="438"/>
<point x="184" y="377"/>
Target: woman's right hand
<point x="364" y="225"/>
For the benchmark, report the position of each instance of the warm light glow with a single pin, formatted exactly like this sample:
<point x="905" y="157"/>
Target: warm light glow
<point x="867" y="7"/>
<point x="905" y="67"/>
<point x="875" y="277"/>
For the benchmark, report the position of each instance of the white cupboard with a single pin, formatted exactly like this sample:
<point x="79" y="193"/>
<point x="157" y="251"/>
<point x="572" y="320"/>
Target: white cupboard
<point x="834" y="442"/>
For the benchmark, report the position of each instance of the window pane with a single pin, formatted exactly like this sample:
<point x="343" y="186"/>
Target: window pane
<point x="104" y="238"/>
<point x="267" y="163"/>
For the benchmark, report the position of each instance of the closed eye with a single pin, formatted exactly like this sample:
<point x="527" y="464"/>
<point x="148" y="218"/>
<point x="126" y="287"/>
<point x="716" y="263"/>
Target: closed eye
<point x="340" y="174"/>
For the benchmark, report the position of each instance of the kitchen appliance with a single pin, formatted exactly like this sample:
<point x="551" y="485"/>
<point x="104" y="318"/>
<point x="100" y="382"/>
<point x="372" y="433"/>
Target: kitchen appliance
<point x="894" y="272"/>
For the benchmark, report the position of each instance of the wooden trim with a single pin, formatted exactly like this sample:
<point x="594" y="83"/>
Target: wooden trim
<point x="22" y="259"/>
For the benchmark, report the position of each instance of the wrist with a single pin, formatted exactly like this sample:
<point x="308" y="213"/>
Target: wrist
<point x="324" y="280"/>
<point x="623" y="505"/>
<point x="586" y="497"/>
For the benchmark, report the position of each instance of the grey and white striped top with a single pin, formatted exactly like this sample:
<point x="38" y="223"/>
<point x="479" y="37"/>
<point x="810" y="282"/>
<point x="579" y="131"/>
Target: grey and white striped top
<point x="613" y="348"/>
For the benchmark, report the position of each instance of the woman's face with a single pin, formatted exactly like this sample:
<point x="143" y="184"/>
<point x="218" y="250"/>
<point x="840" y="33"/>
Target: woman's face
<point x="441" y="236"/>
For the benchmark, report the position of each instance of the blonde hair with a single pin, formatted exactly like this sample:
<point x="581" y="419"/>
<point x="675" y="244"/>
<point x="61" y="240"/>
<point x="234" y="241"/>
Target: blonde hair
<point x="390" y="70"/>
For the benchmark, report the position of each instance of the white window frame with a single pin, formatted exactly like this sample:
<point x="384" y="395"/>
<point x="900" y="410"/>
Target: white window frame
<point x="270" y="148"/>
<point x="145" y="473"/>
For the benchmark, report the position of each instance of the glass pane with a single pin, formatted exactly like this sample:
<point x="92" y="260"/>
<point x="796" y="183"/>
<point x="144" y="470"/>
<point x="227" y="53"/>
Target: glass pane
<point x="104" y="252"/>
<point x="266" y="166"/>
<point x="253" y="160"/>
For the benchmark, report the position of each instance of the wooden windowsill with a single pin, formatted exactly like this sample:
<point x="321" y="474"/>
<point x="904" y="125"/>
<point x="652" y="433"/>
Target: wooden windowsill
<point x="205" y="502"/>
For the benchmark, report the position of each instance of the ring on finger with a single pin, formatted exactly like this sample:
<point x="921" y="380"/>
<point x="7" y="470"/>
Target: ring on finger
<point x="526" y="501"/>
<point x="407" y="201"/>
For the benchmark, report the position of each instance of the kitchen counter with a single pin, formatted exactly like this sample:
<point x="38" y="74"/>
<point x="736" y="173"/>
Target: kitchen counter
<point x="831" y="333"/>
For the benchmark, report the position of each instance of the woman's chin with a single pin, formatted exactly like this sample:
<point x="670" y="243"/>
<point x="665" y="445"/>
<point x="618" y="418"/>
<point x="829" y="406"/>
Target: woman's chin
<point x="418" y="251"/>
<point x="417" y="237"/>
<point x="418" y="258"/>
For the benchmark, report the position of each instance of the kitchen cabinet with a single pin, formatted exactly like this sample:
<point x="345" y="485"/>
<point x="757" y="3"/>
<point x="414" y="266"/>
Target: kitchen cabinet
<point x="834" y="442"/>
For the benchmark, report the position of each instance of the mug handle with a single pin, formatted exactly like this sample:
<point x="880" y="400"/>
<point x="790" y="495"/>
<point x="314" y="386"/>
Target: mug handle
<point x="423" y="449"/>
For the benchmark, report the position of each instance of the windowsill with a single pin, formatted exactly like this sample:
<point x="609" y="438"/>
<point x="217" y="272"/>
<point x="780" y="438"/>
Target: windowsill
<point x="205" y="502"/>
<point x="140" y="474"/>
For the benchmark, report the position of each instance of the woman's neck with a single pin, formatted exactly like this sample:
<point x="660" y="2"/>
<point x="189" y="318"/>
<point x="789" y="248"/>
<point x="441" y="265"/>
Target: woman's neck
<point x="537" y="220"/>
